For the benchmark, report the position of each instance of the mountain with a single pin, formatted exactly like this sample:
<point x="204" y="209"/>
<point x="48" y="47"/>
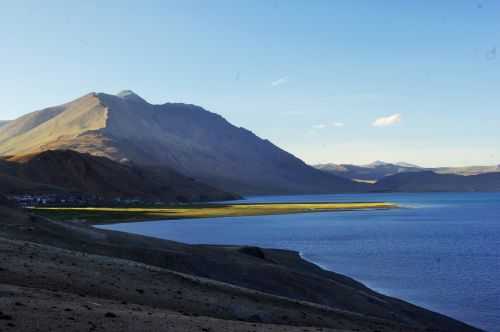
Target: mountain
<point x="429" y="181"/>
<point x="379" y="169"/>
<point x="376" y="163"/>
<point x="403" y="164"/>
<point x="467" y="170"/>
<point x="56" y="172"/>
<point x="3" y="123"/>
<point x="367" y="173"/>
<point x="183" y="137"/>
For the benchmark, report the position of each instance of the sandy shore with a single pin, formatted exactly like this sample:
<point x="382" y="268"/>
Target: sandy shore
<point x="70" y="277"/>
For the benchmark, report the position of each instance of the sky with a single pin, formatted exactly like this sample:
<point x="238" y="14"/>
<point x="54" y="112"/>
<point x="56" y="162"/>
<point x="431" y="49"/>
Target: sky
<point x="329" y="81"/>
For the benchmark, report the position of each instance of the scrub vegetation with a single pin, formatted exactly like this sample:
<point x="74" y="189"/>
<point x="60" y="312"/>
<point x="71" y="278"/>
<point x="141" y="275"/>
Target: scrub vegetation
<point x="104" y="215"/>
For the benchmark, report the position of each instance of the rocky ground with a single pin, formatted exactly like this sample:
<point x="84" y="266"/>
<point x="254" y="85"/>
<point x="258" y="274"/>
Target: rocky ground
<point x="70" y="277"/>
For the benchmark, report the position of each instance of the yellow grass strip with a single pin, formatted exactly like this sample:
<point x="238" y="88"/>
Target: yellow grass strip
<point x="101" y="215"/>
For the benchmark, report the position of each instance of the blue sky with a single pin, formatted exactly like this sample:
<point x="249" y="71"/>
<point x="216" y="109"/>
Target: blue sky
<point x="311" y="76"/>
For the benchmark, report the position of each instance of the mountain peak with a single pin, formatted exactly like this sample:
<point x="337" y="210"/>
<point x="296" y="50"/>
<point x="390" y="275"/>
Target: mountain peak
<point x="403" y="164"/>
<point x="377" y="163"/>
<point x="130" y="95"/>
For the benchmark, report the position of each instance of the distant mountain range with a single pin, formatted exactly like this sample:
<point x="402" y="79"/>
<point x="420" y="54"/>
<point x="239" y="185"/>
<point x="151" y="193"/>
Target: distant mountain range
<point x="367" y="173"/>
<point x="467" y="170"/>
<point x="429" y="181"/>
<point x="185" y="138"/>
<point x="69" y="172"/>
<point x="379" y="169"/>
<point x="405" y="177"/>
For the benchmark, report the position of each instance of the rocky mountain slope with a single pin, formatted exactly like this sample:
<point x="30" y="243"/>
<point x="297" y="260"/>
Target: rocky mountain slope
<point x="184" y="137"/>
<point x="66" y="171"/>
<point x="71" y="277"/>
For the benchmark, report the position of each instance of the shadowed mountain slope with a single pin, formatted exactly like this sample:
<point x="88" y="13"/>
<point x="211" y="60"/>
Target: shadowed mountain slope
<point x="429" y="181"/>
<point x="70" y="171"/>
<point x="184" y="137"/>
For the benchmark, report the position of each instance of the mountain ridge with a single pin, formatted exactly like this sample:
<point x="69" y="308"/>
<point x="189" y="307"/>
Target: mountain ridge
<point x="371" y="172"/>
<point x="64" y="172"/>
<point x="429" y="181"/>
<point x="379" y="169"/>
<point x="184" y="137"/>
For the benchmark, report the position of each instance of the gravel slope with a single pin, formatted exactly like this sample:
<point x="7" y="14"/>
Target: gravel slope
<point x="70" y="277"/>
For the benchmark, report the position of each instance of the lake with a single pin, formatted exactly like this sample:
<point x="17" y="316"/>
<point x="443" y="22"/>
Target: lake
<point x="439" y="250"/>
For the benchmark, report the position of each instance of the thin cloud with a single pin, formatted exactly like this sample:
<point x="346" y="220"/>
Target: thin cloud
<point x="328" y="125"/>
<point x="387" y="120"/>
<point x="280" y="81"/>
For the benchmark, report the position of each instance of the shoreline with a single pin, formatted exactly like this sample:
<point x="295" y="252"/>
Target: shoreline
<point x="132" y="221"/>
<point x="59" y="270"/>
<point x="118" y="215"/>
<point x="385" y="291"/>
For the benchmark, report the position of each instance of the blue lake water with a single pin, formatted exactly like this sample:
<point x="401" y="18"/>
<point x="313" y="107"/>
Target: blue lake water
<point x="440" y="250"/>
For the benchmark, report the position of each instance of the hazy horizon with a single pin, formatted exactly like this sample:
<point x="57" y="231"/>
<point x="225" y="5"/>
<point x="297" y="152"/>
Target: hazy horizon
<point x="404" y="82"/>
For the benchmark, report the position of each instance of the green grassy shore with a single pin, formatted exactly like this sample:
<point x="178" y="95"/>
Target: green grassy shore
<point x="108" y="215"/>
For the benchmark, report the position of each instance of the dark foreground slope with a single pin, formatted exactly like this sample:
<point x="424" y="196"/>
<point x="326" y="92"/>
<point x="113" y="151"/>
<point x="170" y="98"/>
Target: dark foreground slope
<point x="431" y="182"/>
<point x="69" y="277"/>
<point x="183" y="137"/>
<point x="73" y="172"/>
